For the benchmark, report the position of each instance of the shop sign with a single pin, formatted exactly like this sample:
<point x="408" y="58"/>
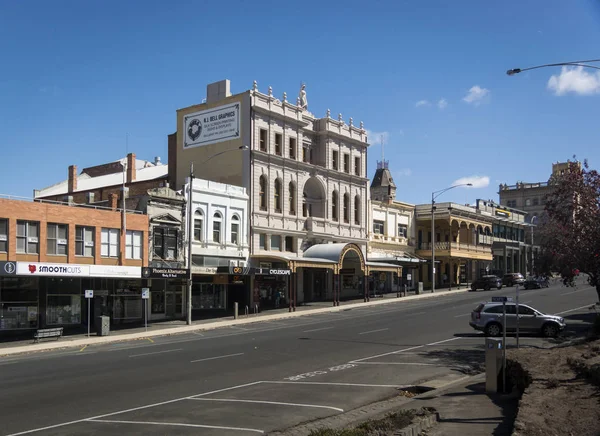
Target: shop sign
<point x="272" y="272"/>
<point x="210" y="126"/>
<point x="9" y="268"/>
<point x="52" y="269"/>
<point x="221" y="279"/>
<point x="349" y="271"/>
<point x="114" y="271"/>
<point x="165" y="273"/>
<point x="205" y="269"/>
<point x="234" y="270"/>
<point x="503" y="213"/>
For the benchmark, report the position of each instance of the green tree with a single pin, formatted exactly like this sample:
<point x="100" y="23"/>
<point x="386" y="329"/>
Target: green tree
<point x="570" y="227"/>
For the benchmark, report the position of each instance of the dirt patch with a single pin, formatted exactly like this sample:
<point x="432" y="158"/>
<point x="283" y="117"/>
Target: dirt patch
<point x="561" y="390"/>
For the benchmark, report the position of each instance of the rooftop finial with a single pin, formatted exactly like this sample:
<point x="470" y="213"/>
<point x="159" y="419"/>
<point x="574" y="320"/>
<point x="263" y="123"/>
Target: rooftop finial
<point x="340" y="117"/>
<point x="362" y="125"/>
<point x="351" y="122"/>
<point x="302" y="97"/>
<point x="255" y="86"/>
<point x="270" y="91"/>
<point x="328" y="113"/>
<point x="285" y="96"/>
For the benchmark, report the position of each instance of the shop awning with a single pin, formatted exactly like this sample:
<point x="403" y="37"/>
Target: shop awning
<point x="383" y="267"/>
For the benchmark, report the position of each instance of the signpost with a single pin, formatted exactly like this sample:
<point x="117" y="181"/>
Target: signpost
<point x="517" y="309"/>
<point x="89" y="294"/>
<point x="503" y="300"/>
<point x="145" y="297"/>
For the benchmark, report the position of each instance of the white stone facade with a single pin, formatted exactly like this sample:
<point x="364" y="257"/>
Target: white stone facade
<point x="308" y="179"/>
<point x="220" y="214"/>
<point x="398" y="231"/>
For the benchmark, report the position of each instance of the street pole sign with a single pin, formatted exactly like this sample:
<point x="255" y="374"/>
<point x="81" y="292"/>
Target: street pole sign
<point x="89" y="294"/>
<point x="503" y="300"/>
<point x="518" y="315"/>
<point x="145" y="297"/>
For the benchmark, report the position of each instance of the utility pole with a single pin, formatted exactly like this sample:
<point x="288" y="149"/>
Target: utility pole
<point x="190" y="233"/>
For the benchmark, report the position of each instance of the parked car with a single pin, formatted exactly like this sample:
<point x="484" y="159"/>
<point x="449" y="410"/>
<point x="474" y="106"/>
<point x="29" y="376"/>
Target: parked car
<point x="512" y="279"/>
<point x="486" y="283"/>
<point x="488" y="318"/>
<point x="536" y="283"/>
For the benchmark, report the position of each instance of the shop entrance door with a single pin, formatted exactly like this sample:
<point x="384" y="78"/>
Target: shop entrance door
<point x="171" y="306"/>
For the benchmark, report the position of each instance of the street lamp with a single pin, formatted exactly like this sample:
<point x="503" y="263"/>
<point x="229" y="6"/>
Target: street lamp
<point x="190" y="229"/>
<point x="435" y="195"/>
<point x="514" y="71"/>
<point x="533" y="218"/>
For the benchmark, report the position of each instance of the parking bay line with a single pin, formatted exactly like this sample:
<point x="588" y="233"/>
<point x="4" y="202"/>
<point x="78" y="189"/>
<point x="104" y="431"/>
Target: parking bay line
<point x="156" y="352"/>
<point x="397" y="363"/>
<point x="268" y="402"/>
<point x="317" y="330"/>
<point x="217" y="357"/>
<point x="177" y="424"/>
<point x="373" y="331"/>
<point x="404" y="349"/>
<point x="364" y="385"/>
<point x="573" y="310"/>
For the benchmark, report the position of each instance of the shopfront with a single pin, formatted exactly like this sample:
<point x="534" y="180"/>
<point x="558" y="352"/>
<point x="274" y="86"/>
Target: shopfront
<point x="167" y="289"/>
<point x="271" y="286"/>
<point x="19" y="299"/>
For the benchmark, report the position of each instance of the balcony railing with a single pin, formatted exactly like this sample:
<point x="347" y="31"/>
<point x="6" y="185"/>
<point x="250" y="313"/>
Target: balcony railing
<point x="456" y="246"/>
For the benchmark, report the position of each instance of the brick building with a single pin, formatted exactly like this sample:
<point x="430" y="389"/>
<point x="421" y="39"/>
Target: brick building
<point x="51" y="252"/>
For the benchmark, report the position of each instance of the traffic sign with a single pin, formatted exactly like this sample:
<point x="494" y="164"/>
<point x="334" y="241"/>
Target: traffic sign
<point x="89" y="293"/>
<point x="408" y="276"/>
<point x="501" y="299"/>
<point x="145" y="293"/>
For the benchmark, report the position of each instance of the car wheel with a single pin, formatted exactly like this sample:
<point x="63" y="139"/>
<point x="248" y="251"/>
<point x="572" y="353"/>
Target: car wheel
<point x="486" y="288"/>
<point x="499" y="287"/>
<point x="550" y="330"/>
<point x="473" y="288"/>
<point x="493" y="329"/>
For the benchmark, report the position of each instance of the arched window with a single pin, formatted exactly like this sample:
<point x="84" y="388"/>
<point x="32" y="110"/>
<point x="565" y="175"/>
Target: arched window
<point x="277" y="195"/>
<point x="357" y="210"/>
<point x="304" y="207"/>
<point x="217" y="219"/>
<point x="198" y="225"/>
<point x="263" y="192"/>
<point x="235" y="229"/>
<point x="346" y="208"/>
<point x="292" y="198"/>
<point x="334" y="206"/>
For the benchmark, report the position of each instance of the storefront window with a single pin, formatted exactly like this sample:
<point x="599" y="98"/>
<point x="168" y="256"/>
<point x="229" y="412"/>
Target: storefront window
<point x="158" y="302"/>
<point x="63" y="301"/>
<point x="18" y="303"/>
<point x="127" y="301"/>
<point x="209" y="296"/>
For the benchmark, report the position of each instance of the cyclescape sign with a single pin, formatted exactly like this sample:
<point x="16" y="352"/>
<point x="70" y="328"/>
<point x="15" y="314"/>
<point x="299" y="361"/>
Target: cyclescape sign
<point x="210" y="126"/>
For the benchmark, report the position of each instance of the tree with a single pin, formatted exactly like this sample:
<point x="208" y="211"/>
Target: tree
<point x="570" y="228"/>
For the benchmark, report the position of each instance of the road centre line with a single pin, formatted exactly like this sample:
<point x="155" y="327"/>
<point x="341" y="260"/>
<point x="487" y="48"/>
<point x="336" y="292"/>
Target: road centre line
<point x="574" y="292"/>
<point x="217" y="357"/>
<point x="157" y="352"/>
<point x="373" y="331"/>
<point x="177" y="424"/>
<point x="404" y="349"/>
<point x="278" y="403"/>
<point x="317" y="330"/>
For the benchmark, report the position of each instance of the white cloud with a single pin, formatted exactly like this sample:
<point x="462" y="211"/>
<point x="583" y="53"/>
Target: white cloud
<point x="403" y="172"/>
<point x="422" y="103"/>
<point x="442" y="104"/>
<point x="477" y="95"/>
<point x="575" y="80"/>
<point x="477" y="181"/>
<point x="375" y="137"/>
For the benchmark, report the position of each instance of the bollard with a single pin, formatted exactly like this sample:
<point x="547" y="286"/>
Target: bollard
<point x="247" y="313"/>
<point x="405" y="290"/>
<point x="235" y="310"/>
<point x="256" y="309"/>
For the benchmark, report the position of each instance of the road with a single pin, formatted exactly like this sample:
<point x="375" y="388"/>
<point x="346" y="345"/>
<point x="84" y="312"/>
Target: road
<point x="260" y="378"/>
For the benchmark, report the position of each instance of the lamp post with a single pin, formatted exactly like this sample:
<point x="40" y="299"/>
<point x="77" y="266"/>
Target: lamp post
<point x="584" y="63"/>
<point x="190" y="229"/>
<point x="435" y="195"/>
<point x="533" y="218"/>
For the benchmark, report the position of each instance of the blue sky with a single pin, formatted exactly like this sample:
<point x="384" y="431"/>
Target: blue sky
<point x="76" y="77"/>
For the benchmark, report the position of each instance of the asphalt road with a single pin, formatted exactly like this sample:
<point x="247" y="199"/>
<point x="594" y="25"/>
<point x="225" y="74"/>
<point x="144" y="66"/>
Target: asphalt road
<point x="260" y="378"/>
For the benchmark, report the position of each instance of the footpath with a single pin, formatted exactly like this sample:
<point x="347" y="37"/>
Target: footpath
<point x="180" y="327"/>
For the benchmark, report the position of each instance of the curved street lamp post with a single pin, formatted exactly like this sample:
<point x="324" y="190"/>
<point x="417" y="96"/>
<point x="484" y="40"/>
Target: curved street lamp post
<point x="190" y="229"/>
<point x="435" y="195"/>
<point x="584" y="63"/>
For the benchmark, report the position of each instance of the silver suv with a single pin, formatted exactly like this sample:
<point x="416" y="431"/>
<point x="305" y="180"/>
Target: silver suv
<point x="488" y="318"/>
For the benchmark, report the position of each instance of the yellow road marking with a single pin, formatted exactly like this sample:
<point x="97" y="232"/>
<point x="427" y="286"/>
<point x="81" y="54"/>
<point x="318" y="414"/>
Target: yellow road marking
<point x="150" y="340"/>
<point x="84" y="347"/>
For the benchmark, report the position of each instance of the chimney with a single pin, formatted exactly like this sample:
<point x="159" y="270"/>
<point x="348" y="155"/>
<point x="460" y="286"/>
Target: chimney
<point x="72" y="178"/>
<point x="112" y="200"/>
<point x="131" y="167"/>
<point x="218" y="91"/>
<point x="157" y="160"/>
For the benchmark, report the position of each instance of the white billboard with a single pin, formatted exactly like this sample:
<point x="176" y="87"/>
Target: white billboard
<point x="210" y="126"/>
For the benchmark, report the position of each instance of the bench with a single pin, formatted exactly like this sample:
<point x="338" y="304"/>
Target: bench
<point x="47" y="333"/>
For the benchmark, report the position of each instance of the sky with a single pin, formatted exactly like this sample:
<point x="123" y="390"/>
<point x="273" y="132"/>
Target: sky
<point x="83" y="82"/>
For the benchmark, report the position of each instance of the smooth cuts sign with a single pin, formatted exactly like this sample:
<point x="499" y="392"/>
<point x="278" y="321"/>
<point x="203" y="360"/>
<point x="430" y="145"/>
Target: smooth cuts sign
<point x="52" y="269"/>
<point x="206" y="127"/>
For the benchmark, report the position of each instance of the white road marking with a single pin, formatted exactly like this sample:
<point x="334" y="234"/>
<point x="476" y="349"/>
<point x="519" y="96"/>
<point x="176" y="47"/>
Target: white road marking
<point x="231" y="388"/>
<point x="178" y="424"/>
<point x="574" y="292"/>
<point x="156" y="352"/>
<point x="268" y="402"/>
<point x="317" y="330"/>
<point x="329" y="384"/>
<point x="373" y="331"/>
<point x="397" y="363"/>
<point x="217" y="357"/>
<point x="573" y="310"/>
<point x="464" y="314"/>
<point x="403" y="350"/>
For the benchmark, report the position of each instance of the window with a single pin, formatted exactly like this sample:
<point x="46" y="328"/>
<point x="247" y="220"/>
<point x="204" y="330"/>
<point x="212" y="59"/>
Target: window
<point x="84" y="241"/>
<point x="275" y="242"/>
<point x="289" y="244"/>
<point x="278" y="143"/>
<point x="304" y="206"/>
<point x="334" y="206"/>
<point x="347" y="163"/>
<point x="217" y="227"/>
<point x="511" y="203"/>
<point x="378" y="227"/>
<point x="292" y="198"/>
<point x="262" y="192"/>
<point x="133" y="244"/>
<point x="357" y="210"/>
<point x="109" y="243"/>
<point x="357" y="166"/>
<point x="528" y="202"/>
<point x="305" y="154"/>
<point x="293" y="148"/>
<point x="536" y="201"/>
<point x="165" y="243"/>
<point x="235" y="230"/>
<point x="3" y="236"/>
<point x="57" y="239"/>
<point x="346" y="208"/>
<point x="263" y="140"/>
<point x="403" y="230"/>
<point x="524" y="310"/>
<point x="261" y="241"/>
<point x="27" y="237"/>
<point x="335" y="160"/>
<point x="277" y="195"/>
<point x="198" y="225"/>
